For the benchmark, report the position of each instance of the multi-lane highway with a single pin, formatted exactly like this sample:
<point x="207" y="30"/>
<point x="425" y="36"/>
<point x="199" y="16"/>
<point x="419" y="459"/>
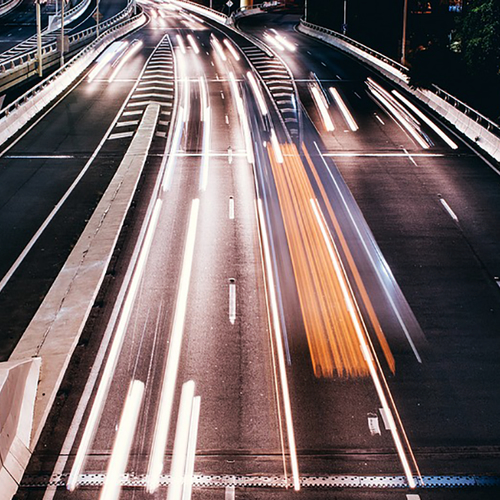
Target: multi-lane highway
<point x="303" y="292"/>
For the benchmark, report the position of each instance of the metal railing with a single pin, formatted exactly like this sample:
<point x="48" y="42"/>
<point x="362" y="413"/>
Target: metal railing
<point x="260" y="6"/>
<point x="471" y="113"/>
<point x="72" y="62"/>
<point x="23" y="61"/>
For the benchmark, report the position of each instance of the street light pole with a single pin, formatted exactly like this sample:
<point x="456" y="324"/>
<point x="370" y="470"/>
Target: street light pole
<point x="39" y="37"/>
<point x="62" y="32"/>
<point x="344" y="26"/>
<point x="403" y="43"/>
<point x="97" y="16"/>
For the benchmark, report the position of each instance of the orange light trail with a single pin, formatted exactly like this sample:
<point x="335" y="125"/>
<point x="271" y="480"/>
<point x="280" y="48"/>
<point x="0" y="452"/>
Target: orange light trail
<point x="330" y="318"/>
<point x="352" y="266"/>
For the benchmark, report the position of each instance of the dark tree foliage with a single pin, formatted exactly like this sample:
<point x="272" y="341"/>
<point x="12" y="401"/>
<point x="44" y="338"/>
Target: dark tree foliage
<point x="479" y="35"/>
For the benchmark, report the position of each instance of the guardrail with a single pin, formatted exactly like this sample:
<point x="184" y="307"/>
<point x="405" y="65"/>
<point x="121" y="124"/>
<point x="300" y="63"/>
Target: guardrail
<point x="25" y="65"/>
<point x="467" y="120"/>
<point x="14" y="116"/>
<point x="7" y="5"/>
<point x="258" y="8"/>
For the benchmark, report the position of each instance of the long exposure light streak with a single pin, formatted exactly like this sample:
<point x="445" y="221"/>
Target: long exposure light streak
<point x="114" y="353"/>
<point x="276" y="327"/>
<point x="343" y="109"/>
<point x="164" y="412"/>
<point x="123" y="442"/>
<point x="429" y="122"/>
<point x="180" y="451"/>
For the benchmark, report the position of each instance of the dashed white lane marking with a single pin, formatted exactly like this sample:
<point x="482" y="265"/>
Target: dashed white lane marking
<point x="232" y="301"/>
<point x="231" y="207"/>
<point x="447" y="207"/>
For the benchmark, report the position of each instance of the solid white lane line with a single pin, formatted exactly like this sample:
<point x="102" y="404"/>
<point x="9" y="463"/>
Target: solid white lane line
<point x="231" y="207"/>
<point x="352" y="308"/>
<point x="172" y="364"/>
<point x="114" y="353"/>
<point x="361" y="239"/>
<point x="191" y="449"/>
<point x="179" y="453"/>
<point x="232" y="301"/>
<point x="276" y="327"/>
<point x="452" y="214"/>
<point x="123" y="442"/>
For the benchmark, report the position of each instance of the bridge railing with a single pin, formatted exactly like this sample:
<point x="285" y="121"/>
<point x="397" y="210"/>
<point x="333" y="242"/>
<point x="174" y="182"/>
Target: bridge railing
<point x="25" y="65"/>
<point x="78" y="62"/>
<point x="464" y="113"/>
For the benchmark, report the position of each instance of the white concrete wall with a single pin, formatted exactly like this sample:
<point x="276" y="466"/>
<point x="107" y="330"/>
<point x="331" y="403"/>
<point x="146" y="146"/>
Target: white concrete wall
<point x="18" y="386"/>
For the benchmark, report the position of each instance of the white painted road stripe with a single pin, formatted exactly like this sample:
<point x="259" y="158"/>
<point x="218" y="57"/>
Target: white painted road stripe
<point x="232" y="301"/>
<point x="449" y="210"/>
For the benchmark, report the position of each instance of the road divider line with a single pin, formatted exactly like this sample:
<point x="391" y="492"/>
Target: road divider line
<point x="447" y="207"/>
<point x="232" y="300"/>
<point x="172" y="363"/>
<point x="123" y="442"/>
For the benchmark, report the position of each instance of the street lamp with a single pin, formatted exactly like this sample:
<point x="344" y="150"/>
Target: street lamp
<point x="403" y="43"/>
<point x="62" y="32"/>
<point x="39" y="37"/>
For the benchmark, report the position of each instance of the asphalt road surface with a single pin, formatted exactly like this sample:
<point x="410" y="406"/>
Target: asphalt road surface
<point x="329" y="310"/>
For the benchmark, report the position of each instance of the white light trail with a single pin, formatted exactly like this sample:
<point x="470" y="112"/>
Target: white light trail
<point x="352" y="308"/>
<point x="384" y="97"/>
<point x="180" y="43"/>
<point x="344" y="110"/>
<point x="258" y="94"/>
<point x="193" y="44"/>
<point x="191" y="449"/>
<point x="276" y="327"/>
<point x="231" y="49"/>
<point x="123" y="442"/>
<point x="218" y="48"/>
<point x="283" y="41"/>
<point x="320" y="101"/>
<point x="114" y="353"/>
<point x="243" y="118"/>
<point x="206" y="117"/>
<point x="205" y="154"/>
<point x="274" y="42"/>
<point x="276" y="147"/>
<point x="105" y="58"/>
<point x="179" y="454"/>
<point x="429" y="122"/>
<point x="172" y="364"/>
<point x="132" y="50"/>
